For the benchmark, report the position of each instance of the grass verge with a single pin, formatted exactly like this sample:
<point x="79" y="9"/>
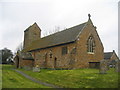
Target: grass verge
<point x="79" y="78"/>
<point x="12" y="79"/>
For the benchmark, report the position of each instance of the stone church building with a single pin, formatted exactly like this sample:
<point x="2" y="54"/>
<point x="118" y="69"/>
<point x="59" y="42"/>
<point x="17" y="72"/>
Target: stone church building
<point x="76" y="47"/>
<point x="111" y="58"/>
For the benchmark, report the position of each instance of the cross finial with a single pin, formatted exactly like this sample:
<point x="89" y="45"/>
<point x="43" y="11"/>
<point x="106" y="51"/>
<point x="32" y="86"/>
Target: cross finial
<point x="89" y="16"/>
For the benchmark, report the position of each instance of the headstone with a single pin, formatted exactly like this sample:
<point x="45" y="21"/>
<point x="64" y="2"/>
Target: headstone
<point x="117" y="66"/>
<point x="36" y="69"/>
<point x="103" y="67"/>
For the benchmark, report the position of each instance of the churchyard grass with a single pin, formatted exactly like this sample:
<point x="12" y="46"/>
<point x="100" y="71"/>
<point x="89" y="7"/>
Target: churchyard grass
<point x="12" y="79"/>
<point x="78" y="78"/>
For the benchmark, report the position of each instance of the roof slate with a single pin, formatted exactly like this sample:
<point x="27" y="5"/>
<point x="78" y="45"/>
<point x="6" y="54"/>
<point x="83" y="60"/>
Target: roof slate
<point x="26" y="55"/>
<point x="62" y="37"/>
<point x="108" y="55"/>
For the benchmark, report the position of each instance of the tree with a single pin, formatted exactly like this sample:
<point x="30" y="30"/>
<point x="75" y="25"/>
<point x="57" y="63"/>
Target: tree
<point x="56" y="29"/>
<point x="19" y="47"/>
<point x="6" y="55"/>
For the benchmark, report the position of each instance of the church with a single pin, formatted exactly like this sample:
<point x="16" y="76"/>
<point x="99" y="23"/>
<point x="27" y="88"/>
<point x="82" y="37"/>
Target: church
<point x="76" y="47"/>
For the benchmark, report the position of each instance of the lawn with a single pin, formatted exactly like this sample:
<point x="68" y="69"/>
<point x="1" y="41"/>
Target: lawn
<point x="12" y="79"/>
<point x="79" y="78"/>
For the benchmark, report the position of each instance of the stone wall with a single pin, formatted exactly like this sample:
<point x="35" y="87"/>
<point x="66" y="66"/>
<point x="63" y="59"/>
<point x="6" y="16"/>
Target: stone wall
<point x="16" y="60"/>
<point x="53" y="58"/>
<point x="114" y="57"/>
<point x="31" y="34"/>
<point x="26" y="63"/>
<point x="83" y="57"/>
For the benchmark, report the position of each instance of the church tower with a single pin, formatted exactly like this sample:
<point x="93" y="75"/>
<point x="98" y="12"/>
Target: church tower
<point x="31" y="34"/>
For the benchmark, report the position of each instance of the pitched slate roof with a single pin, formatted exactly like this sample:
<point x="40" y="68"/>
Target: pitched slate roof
<point x="107" y="55"/>
<point x="62" y="37"/>
<point x="26" y="55"/>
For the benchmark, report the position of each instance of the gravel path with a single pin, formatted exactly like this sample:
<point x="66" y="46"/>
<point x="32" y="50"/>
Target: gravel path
<point x="34" y="80"/>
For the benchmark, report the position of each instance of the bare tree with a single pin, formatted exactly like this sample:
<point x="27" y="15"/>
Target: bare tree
<point x="19" y="47"/>
<point x="56" y="29"/>
<point x="45" y="34"/>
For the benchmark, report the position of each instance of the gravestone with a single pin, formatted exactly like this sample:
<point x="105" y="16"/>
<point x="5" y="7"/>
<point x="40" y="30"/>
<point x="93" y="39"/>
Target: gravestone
<point x="36" y="69"/>
<point x="117" y="66"/>
<point x="103" y="67"/>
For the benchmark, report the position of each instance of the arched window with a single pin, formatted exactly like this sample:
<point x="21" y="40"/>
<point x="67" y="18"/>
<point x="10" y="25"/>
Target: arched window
<point x="91" y="45"/>
<point x="50" y="54"/>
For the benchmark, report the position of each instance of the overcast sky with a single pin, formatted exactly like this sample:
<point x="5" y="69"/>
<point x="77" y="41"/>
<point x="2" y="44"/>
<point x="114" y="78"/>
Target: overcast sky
<point x="17" y="15"/>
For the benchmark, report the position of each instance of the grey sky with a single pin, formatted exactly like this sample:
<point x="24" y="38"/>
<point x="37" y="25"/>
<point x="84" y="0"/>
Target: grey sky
<point x="16" y="16"/>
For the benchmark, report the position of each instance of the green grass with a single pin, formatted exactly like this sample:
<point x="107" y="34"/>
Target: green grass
<point x="79" y="78"/>
<point x="12" y="79"/>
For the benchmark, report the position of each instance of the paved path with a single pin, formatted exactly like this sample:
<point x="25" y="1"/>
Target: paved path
<point x="35" y="80"/>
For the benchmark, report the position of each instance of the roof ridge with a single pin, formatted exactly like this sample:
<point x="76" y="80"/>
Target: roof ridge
<point x="63" y="30"/>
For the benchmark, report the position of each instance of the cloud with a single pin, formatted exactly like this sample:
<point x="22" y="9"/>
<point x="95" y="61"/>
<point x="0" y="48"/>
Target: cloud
<point x="18" y="15"/>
